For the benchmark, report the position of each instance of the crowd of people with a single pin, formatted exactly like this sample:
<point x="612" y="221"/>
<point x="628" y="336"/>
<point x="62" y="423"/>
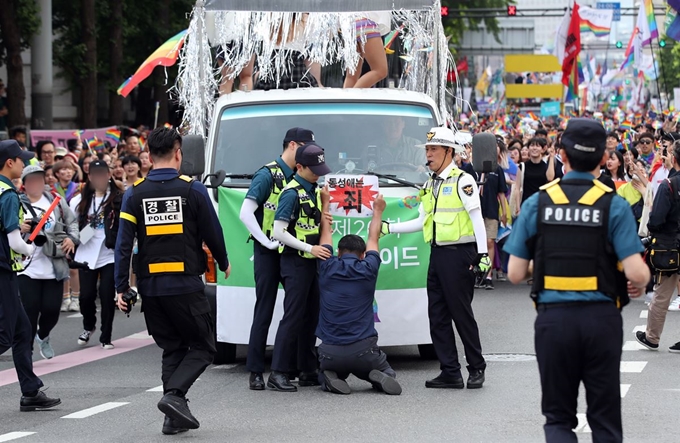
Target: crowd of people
<point x="75" y="266"/>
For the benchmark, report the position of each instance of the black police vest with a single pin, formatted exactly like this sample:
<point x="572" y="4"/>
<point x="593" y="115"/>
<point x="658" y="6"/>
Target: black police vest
<point x="572" y="251"/>
<point x="167" y="229"/>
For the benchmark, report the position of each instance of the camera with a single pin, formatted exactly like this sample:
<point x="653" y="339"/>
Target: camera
<point x="646" y="241"/>
<point x="130" y="298"/>
<point x="41" y="238"/>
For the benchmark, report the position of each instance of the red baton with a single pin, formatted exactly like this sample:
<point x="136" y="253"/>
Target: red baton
<point x="44" y="218"/>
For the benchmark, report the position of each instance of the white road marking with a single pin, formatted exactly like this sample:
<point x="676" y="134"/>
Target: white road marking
<point x="583" y="425"/>
<point x="141" y="336"/>
<point x="632" y="346"/>
<point x="644" y="314"/>
<point x="633" y="366"/>
<point x="642" y="328"/>
<point x="74" y="316"/>
<point x="225" y="366"/>
<point x="14" y="435"/>
<point x="96" y="410"/>
<point x="156" y="389"/>
<point x="624" y="390"/>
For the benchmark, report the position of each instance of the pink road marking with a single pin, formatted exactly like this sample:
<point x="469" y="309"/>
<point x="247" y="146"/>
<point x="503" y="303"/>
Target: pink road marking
<point x="76" y="358"/>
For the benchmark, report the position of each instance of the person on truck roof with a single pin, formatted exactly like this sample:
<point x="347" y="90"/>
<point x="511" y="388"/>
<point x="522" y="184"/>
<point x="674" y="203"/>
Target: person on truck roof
<point x="369" y="31"/>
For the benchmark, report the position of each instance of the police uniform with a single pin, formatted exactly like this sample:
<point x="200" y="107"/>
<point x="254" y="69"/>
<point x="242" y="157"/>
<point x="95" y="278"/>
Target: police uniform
<point x="578" y="290"/>
<point x="265" y="190"/>
<point x="446" y="203"/>
<point x="15" y="327"/>
<point x="300" y="207"/>
<point x="171" y="215"/>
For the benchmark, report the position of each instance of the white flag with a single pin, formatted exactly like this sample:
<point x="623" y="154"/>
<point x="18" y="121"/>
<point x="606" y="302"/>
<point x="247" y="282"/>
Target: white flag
<point x="561" y="36"/>
<point x="597" y="21"/>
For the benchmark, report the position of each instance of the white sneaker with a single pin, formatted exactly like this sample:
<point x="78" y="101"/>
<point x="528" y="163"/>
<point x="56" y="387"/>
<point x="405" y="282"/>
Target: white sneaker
<point x="65" y="303"/>
<point x="648" y="297"/>
<point x="107" y="346"/>
<point x="85" y="337"/>
<point x="46" y="350"/>
<point x="75" y="305"/>
<point x="675" y="305"/>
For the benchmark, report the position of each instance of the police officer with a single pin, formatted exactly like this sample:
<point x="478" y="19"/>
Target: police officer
<point x="664" y="225"/>
<point x="171" y="216"/>
<point x="15" y="327"/>
<point x="579" y="233"/>
<point x="452" y="223"/>
<point x="296" y="226"/>
<point x="257" y="214"/>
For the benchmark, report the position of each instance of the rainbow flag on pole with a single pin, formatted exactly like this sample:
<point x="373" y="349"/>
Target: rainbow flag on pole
<point x="114" y="135"/>
<point x="597" y="21"/>
<point x="165" y="55"/>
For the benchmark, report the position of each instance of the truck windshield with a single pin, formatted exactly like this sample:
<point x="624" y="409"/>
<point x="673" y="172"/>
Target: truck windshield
<point x="358" y="137"/>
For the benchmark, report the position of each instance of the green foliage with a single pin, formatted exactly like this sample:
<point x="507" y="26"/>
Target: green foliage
<point x="669" y="66"/>
<point x="28" y="21"/>
<point x="457" y="23"/>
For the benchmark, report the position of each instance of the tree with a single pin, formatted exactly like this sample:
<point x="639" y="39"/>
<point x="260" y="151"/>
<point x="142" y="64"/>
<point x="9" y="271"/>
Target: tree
<point x="456" y="24"/>
<point x="88" y="81"/>
<point x="19" y="21"/>
<point x="116" y="61"/>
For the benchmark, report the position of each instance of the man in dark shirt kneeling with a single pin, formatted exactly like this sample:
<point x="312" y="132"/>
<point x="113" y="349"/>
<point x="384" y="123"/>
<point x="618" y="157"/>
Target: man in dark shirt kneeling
<point x="346" y="322"/>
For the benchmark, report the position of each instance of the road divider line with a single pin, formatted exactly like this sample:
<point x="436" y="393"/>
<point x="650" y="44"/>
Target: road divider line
<point x="81" y="357"/>
<point x="89" y="412"/>
<point x="14" y="435"/>
<point x="624" y="390"/>
<point x="633" y="366"/>
<point x="642" y="328"/>
<point x="75" y="316"/>
<point x="156" y="389"/>
<point x="632" y="345"/>
<point x="644" y="314"/>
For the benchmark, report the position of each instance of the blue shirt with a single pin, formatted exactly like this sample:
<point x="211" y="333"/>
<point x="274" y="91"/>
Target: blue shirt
<point x="622" y="235"/>
<point x="289" y="203"/>
<point x="347" y="288"/>
<point x="211" y="231"/>
<point x="9" y="208"/>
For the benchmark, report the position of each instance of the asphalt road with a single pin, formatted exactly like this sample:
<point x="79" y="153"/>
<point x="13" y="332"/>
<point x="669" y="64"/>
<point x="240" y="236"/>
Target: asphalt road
<point x="111" y="396"/>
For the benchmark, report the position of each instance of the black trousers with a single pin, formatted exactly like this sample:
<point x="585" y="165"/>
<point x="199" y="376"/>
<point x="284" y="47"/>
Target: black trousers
<point x="296" y="336"/>
<point x="358" y="358"/>
<point x="450" y="287"/>
<point x="574" y="344"/>
<point x="42" y="303"/>
<point x="182" y="326"/>
<point x="88" y="298"/>
<point x="267" y="265"/>
<point x="15" y="333"/>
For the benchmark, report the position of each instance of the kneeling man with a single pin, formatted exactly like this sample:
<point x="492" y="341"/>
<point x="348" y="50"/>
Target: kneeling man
<point x="346" y="322"/>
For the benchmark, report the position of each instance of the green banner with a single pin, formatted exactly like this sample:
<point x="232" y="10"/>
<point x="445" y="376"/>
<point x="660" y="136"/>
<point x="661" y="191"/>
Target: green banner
<point x="404" y="256"/>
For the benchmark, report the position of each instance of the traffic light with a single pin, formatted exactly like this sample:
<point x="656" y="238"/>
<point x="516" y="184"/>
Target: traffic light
<point x="445" y="11"/>
<point x="619" y="45"/>
<point x="662" y="43"/>
<point x="512" y="10"/>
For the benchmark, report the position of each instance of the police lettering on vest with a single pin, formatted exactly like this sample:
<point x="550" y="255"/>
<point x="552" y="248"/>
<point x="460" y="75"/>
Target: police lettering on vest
<point x="167" y="229"/>
<point x="572" y="251"/>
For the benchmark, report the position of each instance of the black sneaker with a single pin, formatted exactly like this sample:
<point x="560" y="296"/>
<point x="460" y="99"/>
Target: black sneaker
<point x="177" y="409"/>
<point x="488" y="284"/>
<point x="476" y="379"/>
<point x="675" y="348"/>
<point x="641" y="337"/>
<point x="171" y="428"/>
<point x="478" y="282"/>
<point x="84" y="338"/>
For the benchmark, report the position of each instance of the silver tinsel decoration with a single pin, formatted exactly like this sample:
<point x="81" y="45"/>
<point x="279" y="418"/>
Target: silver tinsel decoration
<point x="323" y="38"/>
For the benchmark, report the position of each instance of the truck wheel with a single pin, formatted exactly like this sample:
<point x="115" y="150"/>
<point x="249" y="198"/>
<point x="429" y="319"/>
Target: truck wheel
<point x="226" y="353"/>
<point x="427" y="352"/>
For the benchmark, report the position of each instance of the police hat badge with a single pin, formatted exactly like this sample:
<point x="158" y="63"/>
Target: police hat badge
<point x="430" y="135"/>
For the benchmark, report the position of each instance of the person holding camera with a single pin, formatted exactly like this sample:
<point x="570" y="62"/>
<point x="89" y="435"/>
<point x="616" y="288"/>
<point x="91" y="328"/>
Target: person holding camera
<point x="664" y="228"/>
<point x="171" y="215"/>
<point x="42" y="280"/>
<point x="15" y="328"/>
<point x="98" y="210"/>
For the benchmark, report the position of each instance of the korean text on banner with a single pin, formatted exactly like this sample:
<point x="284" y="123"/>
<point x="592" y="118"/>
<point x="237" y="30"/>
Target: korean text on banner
<point x="352" y="195"/>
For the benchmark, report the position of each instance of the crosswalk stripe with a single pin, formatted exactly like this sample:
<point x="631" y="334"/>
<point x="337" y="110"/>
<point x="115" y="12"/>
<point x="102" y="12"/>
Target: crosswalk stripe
<point x="14" y="435"/>
<point x="156" y="389"/>
<point x="642" y="328"/>
<point x="644" y="314"/>
<point x="633" y="366"/>
<point x="96" y="410"/>
<point x="74" y="316"/>
<point x="624" y="390"/>
<point x="582" y="425"/>
<point x="632" y="346"/>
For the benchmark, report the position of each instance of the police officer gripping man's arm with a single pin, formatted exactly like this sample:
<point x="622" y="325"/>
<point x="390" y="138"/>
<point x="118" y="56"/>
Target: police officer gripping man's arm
<point x="452" y="223"/>
<point x="257" y="214"/>
<point x="580" y="235"/>
<point x="296" y="226"/>
<point x="15" y="327"/>
<point x="664" y="226"/>
<point x="171" y="215"/>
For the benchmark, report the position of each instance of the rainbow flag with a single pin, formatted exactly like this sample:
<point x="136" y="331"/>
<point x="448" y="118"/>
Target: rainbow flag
<point x="114" y="135"/>
<point x="533" y="116"/>
<point x="599" y="31"/>
<point x="627" y="125"/>
<point x="92" y="143"/>
<point x="78" y="133"/>
<point x="165" y="55"/>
